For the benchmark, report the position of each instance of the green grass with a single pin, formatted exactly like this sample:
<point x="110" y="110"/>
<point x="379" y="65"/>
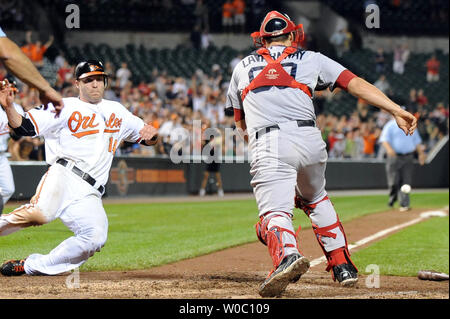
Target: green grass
<point x="421" y="246"/>
<point x="146" y="235"/>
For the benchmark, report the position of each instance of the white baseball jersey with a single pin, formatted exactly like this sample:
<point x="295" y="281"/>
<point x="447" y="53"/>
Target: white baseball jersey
<point x="266" y="106"/>
<point x="7" y="187"/>
<point x="4" y="127"/>
<point x="85" y="133"/>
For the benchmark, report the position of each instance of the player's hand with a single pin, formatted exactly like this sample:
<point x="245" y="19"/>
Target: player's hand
<point x="6" y="94"/>
<point x="422" y="158"/>
<point x="51" y="96"/>
<point x="406" y="121"/>
<point x="149" y="134"/>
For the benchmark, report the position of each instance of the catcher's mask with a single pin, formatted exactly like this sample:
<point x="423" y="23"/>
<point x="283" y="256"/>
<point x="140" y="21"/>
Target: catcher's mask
<point x="276" y="24"/>
<point x="90" y="67"/>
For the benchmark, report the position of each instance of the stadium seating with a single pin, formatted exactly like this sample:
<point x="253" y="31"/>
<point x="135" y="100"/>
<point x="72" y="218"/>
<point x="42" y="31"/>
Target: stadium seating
<point x="184" y="61"/>
<point x="418" y="17"/>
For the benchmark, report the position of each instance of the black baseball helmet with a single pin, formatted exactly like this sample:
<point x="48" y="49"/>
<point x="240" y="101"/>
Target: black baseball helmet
<point x="88" y="68"/>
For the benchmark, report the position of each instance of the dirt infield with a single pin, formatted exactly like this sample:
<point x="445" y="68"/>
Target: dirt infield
<point x="232" y="273"/>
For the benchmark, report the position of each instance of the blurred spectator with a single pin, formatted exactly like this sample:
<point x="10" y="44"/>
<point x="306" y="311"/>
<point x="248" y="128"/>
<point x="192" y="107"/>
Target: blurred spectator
<point x="433" y="65"/>
<point x="196" y="37"/>
<point x="59" y="60"/>
<point x="338" y="40"/>
<point x="235" y="62"/>
<point x="227" y="16"/>
<point x="123" y="75"/>
<point x="337" y="145"/>
<point x="370" y="136"/>
<point x="421" y="99"/>
<point x="201" y="14"/>
<point x="348" y="40"/>
<point x="239" y="15"/>
<point x="206" y="39"/>
<point x="383" y="85"/>
<point x="380" y="61"/>
<point x="35" y="51"/>
<point x="401" y="55"/>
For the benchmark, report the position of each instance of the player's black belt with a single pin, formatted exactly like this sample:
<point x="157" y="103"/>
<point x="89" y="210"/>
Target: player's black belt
<point x="88" y="178"/>
<point x="267" y="129"/>
<point x="405" y="154"/>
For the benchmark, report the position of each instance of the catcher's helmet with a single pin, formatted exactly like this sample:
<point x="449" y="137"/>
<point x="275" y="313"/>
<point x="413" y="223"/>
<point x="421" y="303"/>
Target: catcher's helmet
<point x="88" y="68"/>
<point x="276" y="24"/>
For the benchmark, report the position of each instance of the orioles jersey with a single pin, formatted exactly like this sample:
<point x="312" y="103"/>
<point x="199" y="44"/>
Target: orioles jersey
<point x="274" y="104"/>
<point x="85" y="133"/>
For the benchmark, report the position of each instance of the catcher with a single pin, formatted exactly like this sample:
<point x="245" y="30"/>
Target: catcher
<point x="271" y="92"/>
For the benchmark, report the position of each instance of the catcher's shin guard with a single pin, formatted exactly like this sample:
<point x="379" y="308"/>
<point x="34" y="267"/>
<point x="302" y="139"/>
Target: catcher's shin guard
<point x="334" y="257"/>
<point x="273" y="237"/>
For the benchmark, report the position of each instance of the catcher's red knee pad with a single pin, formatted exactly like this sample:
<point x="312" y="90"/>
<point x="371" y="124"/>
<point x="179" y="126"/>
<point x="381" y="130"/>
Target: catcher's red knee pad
<point x="273" y="238"/>
<point x="300" y="203"/>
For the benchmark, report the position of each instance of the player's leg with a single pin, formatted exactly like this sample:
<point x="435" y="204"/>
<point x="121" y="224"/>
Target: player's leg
<point x="42" y="209"/>
<point x="87" y="220"/>
<point x="273" y="185"/>
<point x="406" y="169"/>
<point x="313" y="199"/>
<point x="392" y="179"/>
<point x="6" y="180"/>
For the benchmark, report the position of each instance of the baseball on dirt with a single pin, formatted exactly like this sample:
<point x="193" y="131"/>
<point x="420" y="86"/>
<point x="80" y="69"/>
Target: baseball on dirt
<point x="405" y="189"/>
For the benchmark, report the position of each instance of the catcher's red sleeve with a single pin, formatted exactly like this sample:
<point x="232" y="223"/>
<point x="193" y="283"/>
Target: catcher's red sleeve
<point x="344" y="78"/>
<point x="238" y="114"/>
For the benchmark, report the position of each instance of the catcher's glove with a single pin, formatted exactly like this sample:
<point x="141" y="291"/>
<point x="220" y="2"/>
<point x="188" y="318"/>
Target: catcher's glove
<point x="432" y="275"/>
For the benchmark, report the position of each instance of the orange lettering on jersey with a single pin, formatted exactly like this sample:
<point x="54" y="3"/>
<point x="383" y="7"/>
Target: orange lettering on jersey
<point x="76" y="121"/>
<point x="113" y="124"/>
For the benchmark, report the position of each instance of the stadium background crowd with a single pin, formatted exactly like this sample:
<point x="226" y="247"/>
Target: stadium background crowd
<point x="169" y="100"/>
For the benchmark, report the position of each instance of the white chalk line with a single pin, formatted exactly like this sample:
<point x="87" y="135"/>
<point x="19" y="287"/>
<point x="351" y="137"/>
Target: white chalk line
<point x="384" y="232"/>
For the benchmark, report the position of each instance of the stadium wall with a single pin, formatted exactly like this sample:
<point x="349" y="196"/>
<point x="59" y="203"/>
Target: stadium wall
<point x="141" y="176"/>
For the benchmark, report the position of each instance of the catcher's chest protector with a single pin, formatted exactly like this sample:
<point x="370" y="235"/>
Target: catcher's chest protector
<point x="273" y="74"/>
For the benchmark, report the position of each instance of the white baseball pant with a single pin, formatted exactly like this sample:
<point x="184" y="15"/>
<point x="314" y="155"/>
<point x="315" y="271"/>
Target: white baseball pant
<point x="284" y="158"/>
<point x="62" y="194"/>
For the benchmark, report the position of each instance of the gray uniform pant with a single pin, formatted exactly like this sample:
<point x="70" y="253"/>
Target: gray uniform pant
<point x="399" y="171"/>
<point x="289" y="157"/>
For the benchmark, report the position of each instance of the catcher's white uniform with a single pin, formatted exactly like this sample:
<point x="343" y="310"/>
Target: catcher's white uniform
<point x="83" y="140"/>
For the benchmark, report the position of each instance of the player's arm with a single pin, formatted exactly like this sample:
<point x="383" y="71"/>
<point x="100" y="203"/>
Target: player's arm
<point x="241" y="126"/>
<point x="18" y="64"/>
<point x="137" y="131"/>
<point x="389" y="150"/>
<point x="149" y="135"/>
<point x="20" y="125"/>
<point x="362" y="89"/>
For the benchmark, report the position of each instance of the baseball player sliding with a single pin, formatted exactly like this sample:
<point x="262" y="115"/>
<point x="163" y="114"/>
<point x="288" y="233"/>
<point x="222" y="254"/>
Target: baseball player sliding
<point x="271" y="92"/>
<point x="82" y="140"/>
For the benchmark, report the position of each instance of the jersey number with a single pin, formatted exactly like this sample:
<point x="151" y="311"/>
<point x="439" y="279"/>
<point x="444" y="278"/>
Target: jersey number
<point x="112" y="145"/>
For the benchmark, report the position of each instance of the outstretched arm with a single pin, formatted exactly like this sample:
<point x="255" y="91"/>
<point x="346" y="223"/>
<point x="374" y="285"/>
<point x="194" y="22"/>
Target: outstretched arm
<point x="362" y="89"/>
<point x="18" y="64"/>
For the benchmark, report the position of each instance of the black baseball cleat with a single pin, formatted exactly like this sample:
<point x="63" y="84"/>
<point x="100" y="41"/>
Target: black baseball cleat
<point x="346" y="275"/>
<point x="290" y="270"/>
<point x="14" y="267"/>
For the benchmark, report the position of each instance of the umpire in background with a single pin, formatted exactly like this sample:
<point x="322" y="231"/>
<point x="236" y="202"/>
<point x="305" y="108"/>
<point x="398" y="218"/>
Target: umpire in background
<point x="400" y="150"/>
